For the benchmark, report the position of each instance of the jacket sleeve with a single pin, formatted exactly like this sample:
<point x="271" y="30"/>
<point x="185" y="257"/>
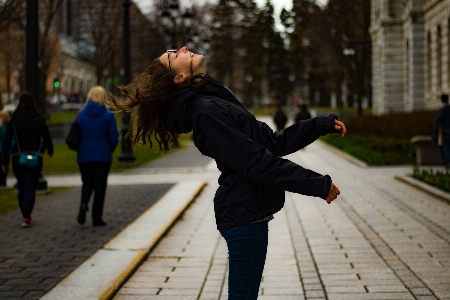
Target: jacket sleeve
<point x="298" y="135"/>
<point x="47" y="139"/>
<point x="113" y="133"/>
<point x="228" y="145"/>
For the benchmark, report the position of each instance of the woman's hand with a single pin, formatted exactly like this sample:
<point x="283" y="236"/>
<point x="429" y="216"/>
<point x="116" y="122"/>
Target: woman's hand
<point x="339" y="126"/>
<point x="5" y="169"/>
<point x="333" y="193"/>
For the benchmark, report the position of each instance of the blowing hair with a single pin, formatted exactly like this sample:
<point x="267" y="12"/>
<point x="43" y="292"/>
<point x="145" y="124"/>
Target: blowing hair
<point x="149" y="91"/>
<point x="27" y="106"/>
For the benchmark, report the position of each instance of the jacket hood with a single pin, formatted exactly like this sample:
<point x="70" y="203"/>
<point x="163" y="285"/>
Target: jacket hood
<point x="177" y="112"/>
<point x="94" y="110"/>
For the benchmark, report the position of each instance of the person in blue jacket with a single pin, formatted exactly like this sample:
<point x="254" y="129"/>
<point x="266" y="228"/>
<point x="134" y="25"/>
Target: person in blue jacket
<point x="173" y="96"/>
<point x="98" y="140"/>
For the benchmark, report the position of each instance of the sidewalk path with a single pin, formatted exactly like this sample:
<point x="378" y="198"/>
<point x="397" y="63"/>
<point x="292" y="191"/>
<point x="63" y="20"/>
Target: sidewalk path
<point x="381" y="239"/>
<point x="34" y="260"/>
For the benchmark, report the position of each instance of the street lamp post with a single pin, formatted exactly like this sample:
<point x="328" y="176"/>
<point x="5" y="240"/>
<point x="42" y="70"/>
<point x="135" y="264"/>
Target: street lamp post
<point x="126" y="156"/>
<point x="32" y="73"/>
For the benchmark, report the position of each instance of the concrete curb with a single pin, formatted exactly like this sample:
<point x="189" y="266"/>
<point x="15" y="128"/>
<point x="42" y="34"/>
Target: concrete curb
<point x="342" y="154"/>
<point x="100" y="276"/>
<point x="404" y="178"/>
<point x="424" y="187"/>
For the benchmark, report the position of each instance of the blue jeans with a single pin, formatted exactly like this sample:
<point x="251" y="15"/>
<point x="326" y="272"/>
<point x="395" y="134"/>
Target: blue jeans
<point x="247" y="249"/>
<point x="27" y="180"/>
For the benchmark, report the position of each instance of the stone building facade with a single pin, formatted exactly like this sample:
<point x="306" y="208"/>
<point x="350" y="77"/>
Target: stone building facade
<point x="410" y="54"/>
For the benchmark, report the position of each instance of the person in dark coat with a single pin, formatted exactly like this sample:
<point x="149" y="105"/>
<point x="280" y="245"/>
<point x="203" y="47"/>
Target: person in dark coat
<point x="303" y="114"/>
<point x="280" y="119"/>
<point x="442" y="127"/>
<point x="30" y="131"/>
<point x="98" y="140"/>
<point x="174" y="96"/>
<point x="4" y="120"/>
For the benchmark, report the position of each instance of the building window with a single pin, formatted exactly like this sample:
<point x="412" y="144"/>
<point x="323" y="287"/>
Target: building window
<point x="448" y="53"/>
<point x="407" y="71"/>
<point x="439" y="57"/>
<point x="429" y="61"/>
<point x="391" y="8"/>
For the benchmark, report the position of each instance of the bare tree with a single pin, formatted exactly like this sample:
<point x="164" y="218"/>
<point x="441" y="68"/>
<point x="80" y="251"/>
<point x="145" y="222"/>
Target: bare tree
<point x="12" y="12"/>
<point x="103" y="21"/>
<point x="11" y="57"/>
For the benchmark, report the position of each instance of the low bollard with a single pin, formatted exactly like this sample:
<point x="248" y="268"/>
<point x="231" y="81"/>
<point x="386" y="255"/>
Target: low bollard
<point x="426" y="152"/>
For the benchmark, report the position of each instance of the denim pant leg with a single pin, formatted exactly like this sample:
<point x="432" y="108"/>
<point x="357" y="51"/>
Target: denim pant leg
<point x="27" y="180"/>
<point x="247" y="249"/>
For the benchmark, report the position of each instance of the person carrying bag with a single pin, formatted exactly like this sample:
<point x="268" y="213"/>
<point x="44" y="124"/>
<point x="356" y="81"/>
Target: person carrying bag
<point x="27" y="159"/>
<point x="32" y="137"/>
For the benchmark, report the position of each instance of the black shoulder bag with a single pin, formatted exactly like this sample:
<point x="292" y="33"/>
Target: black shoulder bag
<point x="28" y="159"/>
<point x="73" y="137"/>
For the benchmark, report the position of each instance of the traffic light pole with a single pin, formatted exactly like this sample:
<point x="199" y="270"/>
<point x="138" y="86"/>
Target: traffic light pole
<point x="126" y="156"/>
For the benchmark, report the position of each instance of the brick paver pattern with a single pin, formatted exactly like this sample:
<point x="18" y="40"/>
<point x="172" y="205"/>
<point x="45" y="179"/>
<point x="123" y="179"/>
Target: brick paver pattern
<point x="381" y="239"/>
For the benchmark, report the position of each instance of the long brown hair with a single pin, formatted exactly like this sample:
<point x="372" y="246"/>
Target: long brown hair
<point x="149" y="91"/>
<point x="27" y="106"/>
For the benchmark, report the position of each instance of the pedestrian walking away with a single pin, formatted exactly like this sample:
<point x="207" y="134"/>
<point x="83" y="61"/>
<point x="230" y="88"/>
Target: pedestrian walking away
<point x="303" y="113"/>
<point x="4" y="120"/>
<point x="174" y="95"/>
<point x="280" y="119"/>
<point x="442" y="131"/>
<point x="28" y="128"/>
<point x="98" y="138"/>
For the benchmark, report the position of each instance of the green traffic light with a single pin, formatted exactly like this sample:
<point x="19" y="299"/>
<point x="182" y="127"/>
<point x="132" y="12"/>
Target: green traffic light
<point x="56" y="84"/>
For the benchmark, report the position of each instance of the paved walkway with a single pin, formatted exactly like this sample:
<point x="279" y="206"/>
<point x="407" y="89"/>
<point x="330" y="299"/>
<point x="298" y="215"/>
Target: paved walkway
<point x="382" y="239"/>
<point x="34" y="260"/>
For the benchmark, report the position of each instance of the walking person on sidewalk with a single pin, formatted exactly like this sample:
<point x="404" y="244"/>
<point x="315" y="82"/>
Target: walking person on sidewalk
<point x="98" y="140"/>
<point x="28" y="128"/>
<point x="442" y="128"/>
<point x="4" y="120"/>
<point x="174" y="96"/>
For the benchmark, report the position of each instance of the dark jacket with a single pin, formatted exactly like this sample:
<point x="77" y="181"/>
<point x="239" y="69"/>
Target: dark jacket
<point x="33" y="136"/>
<point x="248" y="153"/>
<point x="98" y="134"/>
<point x="442" y="120"/>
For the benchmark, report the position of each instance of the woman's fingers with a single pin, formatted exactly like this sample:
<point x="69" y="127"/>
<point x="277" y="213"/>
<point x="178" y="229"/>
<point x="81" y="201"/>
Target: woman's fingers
<point x="339" y="126"/>
<point x="333" y="193"/>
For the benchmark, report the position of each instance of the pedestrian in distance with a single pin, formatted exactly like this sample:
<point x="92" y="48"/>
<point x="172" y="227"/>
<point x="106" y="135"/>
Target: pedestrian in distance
<point x="98" y="140"/>
<point x="4" y="120"/>
<point x="441" y="134"/>
<point x="27" y="133"/>
<point x="302" y="114"/>
<point x="280" y="119"/>
<point x="174" y="95"/>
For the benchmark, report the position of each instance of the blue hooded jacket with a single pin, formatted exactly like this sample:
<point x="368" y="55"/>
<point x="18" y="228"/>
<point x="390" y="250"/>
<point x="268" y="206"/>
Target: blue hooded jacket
<point x="98" y="134"/>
